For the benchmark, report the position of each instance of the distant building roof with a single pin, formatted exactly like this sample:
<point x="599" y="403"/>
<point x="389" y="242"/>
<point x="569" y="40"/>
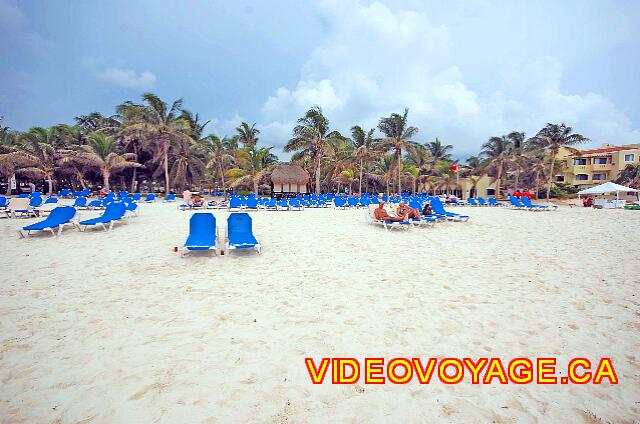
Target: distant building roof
<point x="286" y="173"/>
<point x="606" y="150"/>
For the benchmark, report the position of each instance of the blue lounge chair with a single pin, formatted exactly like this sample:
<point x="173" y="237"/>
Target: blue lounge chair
<point x="57" y="219"/>
<point x="252" y="203"/>
<point x="240" y="233"/>
<point x="131" y="207"/>
<point x="171" y="197"/>
<point x="95" y="204"/>
<point x="472" y="201"/>
<point x="3" y="202"/>
<point x="527" y="202"/>
<point x="439" y="209"/>
<point x="85" y="193"/>
<point x="113" y="213"/>
<point x="339" y="202"/>
<point x="282" y="205"/>
<point x="515" y="203"/>
<point x="493" y="202"/>
<point x="295" y="205"/>
<point x="35" y="201"/>
<point x="150" y="198"/>
<point x="202" y="233"/>
<point x="136" y="197"/>
<point x="51" y="200"/>
<point x="482" y="201"/>
<point x="65" y="192"/>
<point x="80" y="202"/>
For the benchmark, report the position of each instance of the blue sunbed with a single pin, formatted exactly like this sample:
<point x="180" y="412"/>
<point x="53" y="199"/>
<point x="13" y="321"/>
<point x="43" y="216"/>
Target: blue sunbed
<point x="438" y="208"/>
<point x="57" y="219"/>
<point x="202" y="233"/>
<point x="113" y="213"/>
<point x="240" y="233"/>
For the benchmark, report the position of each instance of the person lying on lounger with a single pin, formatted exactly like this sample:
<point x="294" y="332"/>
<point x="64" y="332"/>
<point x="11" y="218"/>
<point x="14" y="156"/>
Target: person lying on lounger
<point x="405" y="210"/>
<point x="382" y="215"/>
<point x="427" y="209"/>
<point x="197" y="201"/>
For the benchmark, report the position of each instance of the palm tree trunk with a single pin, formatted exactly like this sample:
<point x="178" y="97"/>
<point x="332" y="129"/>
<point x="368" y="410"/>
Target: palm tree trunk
<point x="360" y="184"/>
<point x="166" y="172"/>
<point x="135" y="169"/>
<point x="317" y="170"/>
<point x="399" y="154"/>
<point x="517" y="180"/>
<point x="550" y="179"/>
<point x="498" y="194"/>
<point x="50" y="182"/>
<point x="80" y="179"/>
<point x="9" y="184"/>
<point x="105" y="180"/>
<point x="255" y="187"/>
<point x="221" y="174"/>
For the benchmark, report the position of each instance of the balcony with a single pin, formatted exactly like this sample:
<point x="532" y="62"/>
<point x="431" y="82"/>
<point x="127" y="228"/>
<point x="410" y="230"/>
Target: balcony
<point x="581" y="169"/>
<point x="602" y="167"/>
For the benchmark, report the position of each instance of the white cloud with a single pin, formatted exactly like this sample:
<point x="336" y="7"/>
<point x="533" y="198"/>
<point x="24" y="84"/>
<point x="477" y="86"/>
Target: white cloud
<point x="129" y="78"/>
<point x="374" y="61"/>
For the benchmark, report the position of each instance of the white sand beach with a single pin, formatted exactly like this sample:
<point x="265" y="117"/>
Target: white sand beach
<point x="116" y="328"/>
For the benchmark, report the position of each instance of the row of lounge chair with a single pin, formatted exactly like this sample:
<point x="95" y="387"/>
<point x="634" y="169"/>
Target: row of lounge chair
<point x="524" y="203"/>
<point x="203" y="233"/>
<point x="61" y="216"/>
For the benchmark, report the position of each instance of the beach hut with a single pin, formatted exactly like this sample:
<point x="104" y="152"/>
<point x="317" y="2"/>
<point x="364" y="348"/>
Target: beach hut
<point x="608" y="188"/>
<point x="288" y="179"/>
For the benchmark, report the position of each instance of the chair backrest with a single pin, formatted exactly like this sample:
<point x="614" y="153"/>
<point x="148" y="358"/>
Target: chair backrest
<point x="80" y="202"/>
<point x="65" y="192"/>
<point x="339" y="201"/>
<point x="51" y="200"/>
<point x="136" y="196"/>
<point x="472" y="201"/>
<point x="35" y="201"/>
<point x="514" y="201"/>
<point x="234" y="202"/>
<point x="481" y="200"/>
<point x="151" y="196"/>
<point x="115" y="210"/>
<point x="252" y="202"/>
<point x="3" y="201"/>
<point x="202" y="222"/>
<point x="437" y="206"/>
<point x="526" y="201"/>
<point x="238" y="223"/>
<point x="62" y="214"/>
<point x="170" y="196"/>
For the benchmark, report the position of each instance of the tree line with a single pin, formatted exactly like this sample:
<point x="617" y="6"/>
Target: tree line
<point x="165" y="143"/>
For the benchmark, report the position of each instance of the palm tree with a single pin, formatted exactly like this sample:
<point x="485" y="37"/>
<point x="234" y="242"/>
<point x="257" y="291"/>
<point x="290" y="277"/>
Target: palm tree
<point x="247" y="135"/>
<point x="310" y="136"/>
<point x="102" y="152"/>
<point x="398" y="137"/>
<point x="497" y="152"/>
<point x="220" y="156"/>
<point x="384" y="167"/>
<point x="550" y="139"/>
<point x="193" y="122"/>
<point x="438" y="152"/>
<point x="630" y="175"/>
<point x="160" y="125"/>
<point x="347" y="177"/>
<point x="187" y="163"/>
<point x="413" y="173"/>
<point x="8" y="144"/>
<point x="38" y="156"/>
<point x="518" y="161"/>
<point x="366" y="149"/>
<point x="255" y="163"/>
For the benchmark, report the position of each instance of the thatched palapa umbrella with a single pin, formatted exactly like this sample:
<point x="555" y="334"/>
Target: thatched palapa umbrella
<point x="288" y="178"/>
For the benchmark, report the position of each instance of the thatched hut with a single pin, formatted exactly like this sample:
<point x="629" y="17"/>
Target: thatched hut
<point x="289" y="179"/>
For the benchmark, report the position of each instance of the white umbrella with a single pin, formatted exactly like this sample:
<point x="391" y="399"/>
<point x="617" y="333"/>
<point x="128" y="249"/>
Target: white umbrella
<point x="608" y="188"/>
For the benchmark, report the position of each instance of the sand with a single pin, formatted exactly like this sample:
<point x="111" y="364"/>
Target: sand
<point x="117" y="328"/>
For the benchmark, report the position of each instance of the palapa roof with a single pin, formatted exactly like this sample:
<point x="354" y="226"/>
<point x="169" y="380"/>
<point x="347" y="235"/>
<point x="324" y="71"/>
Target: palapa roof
<point x="286" y="173"/>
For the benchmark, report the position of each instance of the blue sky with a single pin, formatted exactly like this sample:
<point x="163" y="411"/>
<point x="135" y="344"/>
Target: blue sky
<point x="466" y="71"/>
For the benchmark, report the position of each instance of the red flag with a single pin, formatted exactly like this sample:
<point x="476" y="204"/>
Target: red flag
<point x="453" y="168"/>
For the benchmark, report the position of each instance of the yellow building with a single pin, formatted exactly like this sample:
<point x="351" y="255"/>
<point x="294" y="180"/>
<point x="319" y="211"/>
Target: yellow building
<point x="596" y="166"/>
<point x="481" y="186"/>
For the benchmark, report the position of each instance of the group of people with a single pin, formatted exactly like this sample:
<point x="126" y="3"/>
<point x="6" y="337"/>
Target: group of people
<point x="404" y="212"/>
<point x="195" y="200"/>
